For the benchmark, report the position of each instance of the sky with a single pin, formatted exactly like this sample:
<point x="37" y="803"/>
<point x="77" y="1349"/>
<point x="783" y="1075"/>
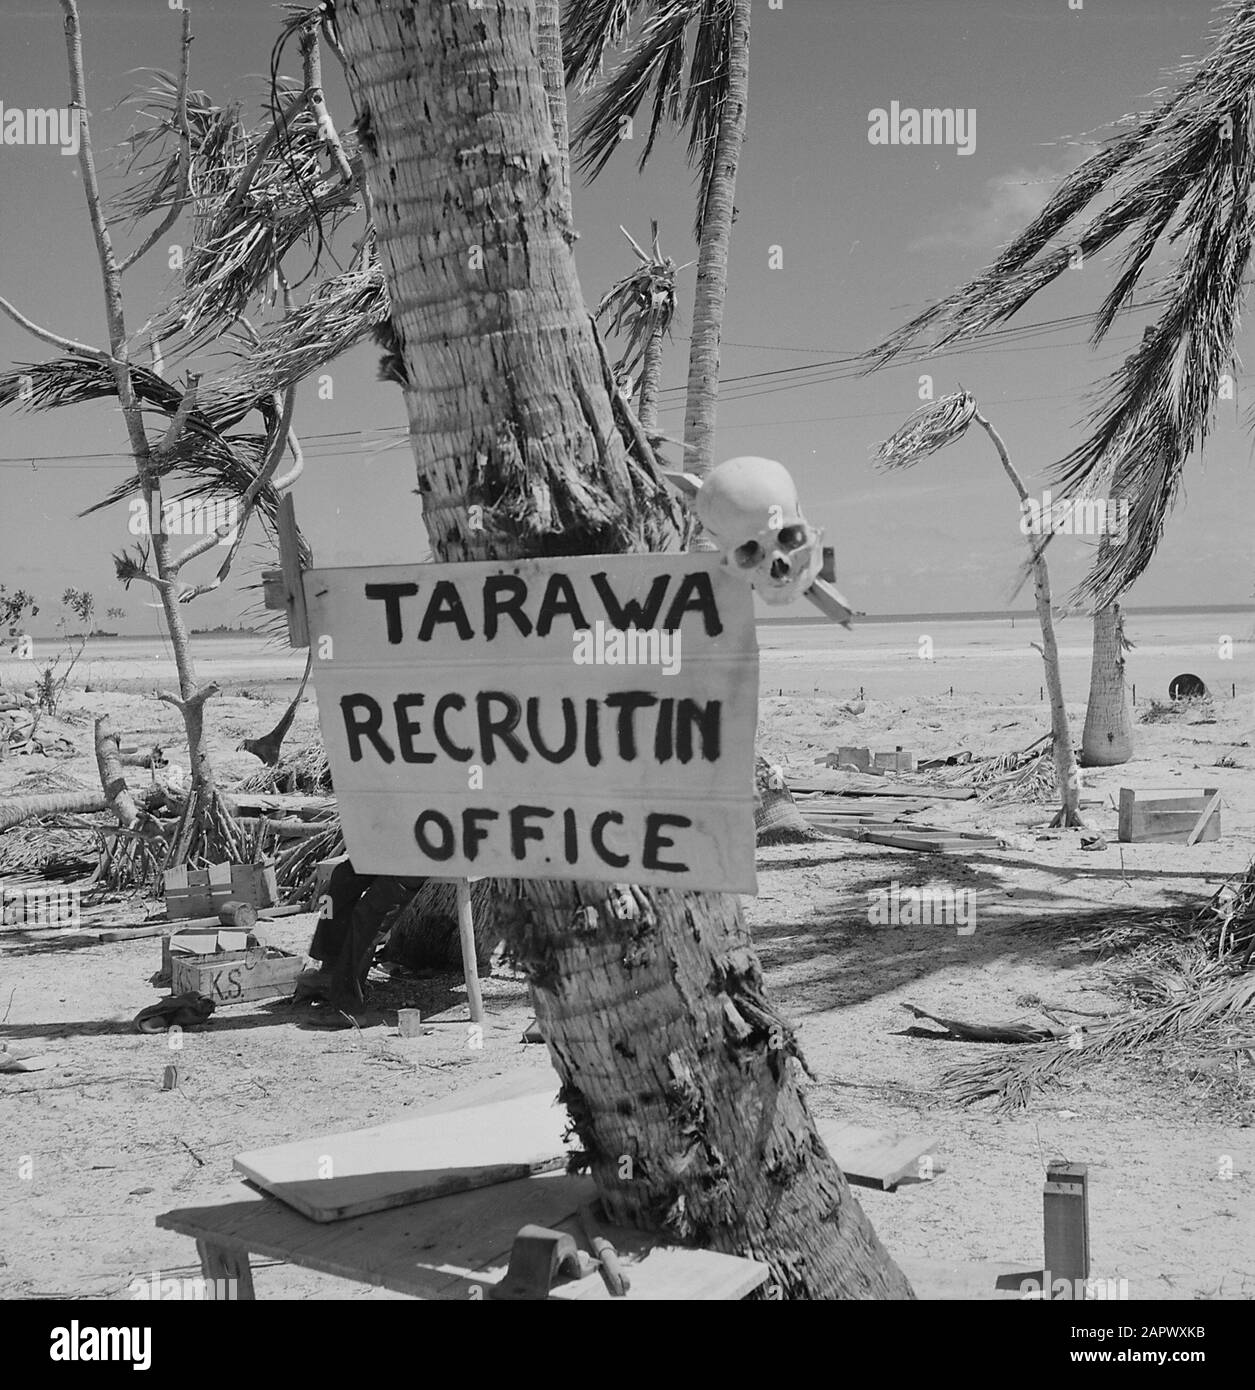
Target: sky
<point x="837" y="241"/>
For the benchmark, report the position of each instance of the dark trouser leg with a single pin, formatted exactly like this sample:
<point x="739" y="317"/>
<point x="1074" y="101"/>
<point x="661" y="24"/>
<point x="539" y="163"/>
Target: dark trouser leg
<point x="344" y="888"/>
<point x="368" y="922"/>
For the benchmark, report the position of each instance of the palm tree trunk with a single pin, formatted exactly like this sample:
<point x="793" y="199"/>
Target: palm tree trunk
<point x="712" y="257"/>
<point x="675" y="1068"/>
<point x="651" y="377"/>
<point x="1108" y="736"/>
<point x="549" y="49"/>
<point x="1066" y="772"/>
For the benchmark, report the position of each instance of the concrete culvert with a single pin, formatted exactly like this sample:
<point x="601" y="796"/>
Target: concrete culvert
<point x="1186" y="687"/>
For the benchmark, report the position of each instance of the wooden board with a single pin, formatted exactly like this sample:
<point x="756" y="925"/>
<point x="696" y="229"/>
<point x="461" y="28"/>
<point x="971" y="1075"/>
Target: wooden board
<point x="872" y="1158"/>
<point x="869" y="786"/>
<point x="456" y="1247"/>
<point x="339" y="1176"/>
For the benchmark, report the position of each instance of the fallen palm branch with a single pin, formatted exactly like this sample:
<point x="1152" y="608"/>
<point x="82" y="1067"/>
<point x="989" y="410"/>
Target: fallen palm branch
<point x="1022" y="775"/>
<point x="1191" y="982"/>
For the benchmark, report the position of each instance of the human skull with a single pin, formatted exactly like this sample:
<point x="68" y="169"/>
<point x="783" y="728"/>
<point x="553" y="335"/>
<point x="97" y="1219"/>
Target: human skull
<point x="749" y="507"/>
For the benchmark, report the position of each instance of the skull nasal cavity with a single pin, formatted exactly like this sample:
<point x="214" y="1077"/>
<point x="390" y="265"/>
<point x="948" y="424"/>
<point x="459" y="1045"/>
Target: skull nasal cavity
<point x="751" y="553"/>
<point x="779" y="569"/>
<point x="792" y="537"/>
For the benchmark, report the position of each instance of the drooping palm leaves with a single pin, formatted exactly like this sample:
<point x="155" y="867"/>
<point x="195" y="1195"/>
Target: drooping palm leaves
<point x="672" y="33"/>
<point x="641" y="307"/>
<point x="1178" y="180"/>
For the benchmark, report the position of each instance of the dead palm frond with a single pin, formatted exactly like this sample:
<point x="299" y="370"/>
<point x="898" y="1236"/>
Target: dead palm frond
<point x="641" y="304"/>
<point x="1178" y="179"/>
<point x="340" y="313"/>
<point x="934" y="425"/>
<point x="672" y="33"/>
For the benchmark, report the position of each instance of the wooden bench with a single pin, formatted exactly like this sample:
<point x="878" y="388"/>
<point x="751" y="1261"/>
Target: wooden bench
<point x="453" y="1247"/>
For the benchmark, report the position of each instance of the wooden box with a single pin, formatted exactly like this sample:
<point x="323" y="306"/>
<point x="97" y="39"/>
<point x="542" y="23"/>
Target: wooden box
<point x="233" y="977"/>
<point x="860" y="758"/>
<point x="202" y="892"/>
<point x="897" y="761"/>
<point x="1168" y="817"/>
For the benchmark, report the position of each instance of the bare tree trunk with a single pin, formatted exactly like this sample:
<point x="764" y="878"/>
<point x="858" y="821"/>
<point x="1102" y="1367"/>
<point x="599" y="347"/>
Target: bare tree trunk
<point x="1066" y="771"/>
<point x="651" y="378"/>
<point x="16" y="809"/>
<point x="112" y="778"/>
<point x="712" y="257"/>
<point x="678" y="1073"/>
<point x="1108" y="736"/>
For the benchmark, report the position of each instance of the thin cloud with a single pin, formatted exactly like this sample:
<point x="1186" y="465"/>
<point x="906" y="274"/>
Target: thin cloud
<point x="1010" y="201"/>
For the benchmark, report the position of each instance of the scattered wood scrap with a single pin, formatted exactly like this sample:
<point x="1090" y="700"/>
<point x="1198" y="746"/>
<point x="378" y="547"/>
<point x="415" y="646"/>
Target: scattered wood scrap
<point x="872" y="1158"/>
<point x="1014" y="1031"/>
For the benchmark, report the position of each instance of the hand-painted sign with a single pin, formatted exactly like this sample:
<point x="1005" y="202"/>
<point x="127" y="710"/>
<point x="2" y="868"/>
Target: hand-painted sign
<point x="589" y="717"/>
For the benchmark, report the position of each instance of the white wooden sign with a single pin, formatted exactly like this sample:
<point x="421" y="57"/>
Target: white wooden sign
<point x="581" y="718"/>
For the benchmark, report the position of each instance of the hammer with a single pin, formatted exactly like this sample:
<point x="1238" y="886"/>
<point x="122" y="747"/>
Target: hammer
<point x="611" y="1271"/>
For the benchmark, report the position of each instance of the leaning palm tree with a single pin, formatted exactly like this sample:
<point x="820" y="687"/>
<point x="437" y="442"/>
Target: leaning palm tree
<point x="1176" y="180"/>
<point x="932" y="427"/>
<point x="641" y="307"/>
<point x="676" y="1069"/>
<point x="710" y="103"/>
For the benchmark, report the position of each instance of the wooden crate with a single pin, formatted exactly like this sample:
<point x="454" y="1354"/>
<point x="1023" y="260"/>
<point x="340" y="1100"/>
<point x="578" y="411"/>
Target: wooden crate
<point x="232" y="977"/>
<point x="1168" y="816"/>
<point x="896" y="761"/>
<point x="202" y="892"/>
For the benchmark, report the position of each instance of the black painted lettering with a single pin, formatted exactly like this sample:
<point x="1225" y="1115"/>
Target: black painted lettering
<point x="631" y="613"/>
<point x="392" y="594"/>
<point x="473" y="834"/>
<point x="445" y="606"/>
<point x="570" y="735"/>
<point x="656" y="841"/>
<point x="351" y="706"/>
<point x="695" y="594"/>
<point x="504" y="596"/>
<point x="407" y="728"/>
<point x="560" y="597"/>
<point x="441" y="822"/>
<point x="446" y="744"/>
<point x="596" y="835"/>
<point x="627" y="702"/>
<point x="521" y="832"/>
<point x="708" y="719"/>
<point x="502" y="727"/>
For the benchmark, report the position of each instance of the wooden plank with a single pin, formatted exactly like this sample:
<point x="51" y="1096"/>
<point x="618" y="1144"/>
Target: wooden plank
<point x="337" y="1176"/>
<point x="1065" y="1215"/>
<point x="872" y="1158"/>
<point x="290" y="566"/>
<point x="871" y="787"/>
<point x="1210" y="810"/>
<point x="455" y="1247"/>
<point x="958" y="1280"/>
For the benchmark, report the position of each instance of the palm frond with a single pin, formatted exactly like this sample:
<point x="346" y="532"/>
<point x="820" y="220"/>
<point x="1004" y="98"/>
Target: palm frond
<point x="1180" y="178"/>
<point x="654" y="67"/>
<point x="640" y="304"/>
<point x="340" y="313"/>
<point x="934" y="425"/>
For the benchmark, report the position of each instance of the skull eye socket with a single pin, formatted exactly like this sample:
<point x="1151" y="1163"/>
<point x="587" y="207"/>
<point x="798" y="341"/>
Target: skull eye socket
<point x="792" y="537"/>
<point x="748" y="555"/>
